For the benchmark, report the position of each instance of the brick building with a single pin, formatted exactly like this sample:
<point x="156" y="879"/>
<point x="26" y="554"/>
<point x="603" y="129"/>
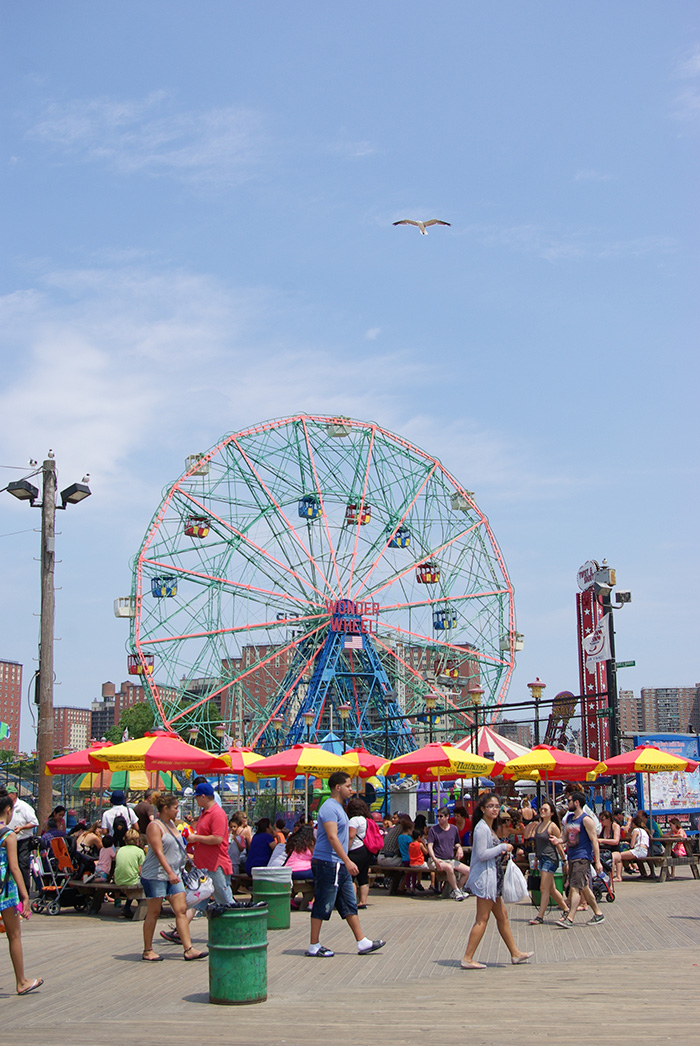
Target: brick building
<point x="71" y="727"/>
<point x="11" y="702"/>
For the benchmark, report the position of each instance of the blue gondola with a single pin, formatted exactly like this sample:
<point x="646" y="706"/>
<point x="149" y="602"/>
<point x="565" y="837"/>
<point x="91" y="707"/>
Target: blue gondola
<point x="444" y="618"/>
<point x="309" y="507"/>
<point x="163" y="587"/>
<point x="401" y="539"/>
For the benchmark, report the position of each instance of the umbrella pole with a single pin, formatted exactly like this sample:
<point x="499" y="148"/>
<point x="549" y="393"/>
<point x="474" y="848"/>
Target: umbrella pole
<point x="306" y="797"/>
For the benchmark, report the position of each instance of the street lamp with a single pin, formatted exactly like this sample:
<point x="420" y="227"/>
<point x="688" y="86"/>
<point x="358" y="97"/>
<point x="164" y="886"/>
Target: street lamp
<point x="536" y="689"/>
<point x="308" y="722"/>
<point x="430" y="702"/>
<point x="344" y="712"/>
<point x="192" y="734"/>
<point x="476" y="694"/>
<point x="220" y="731"/>
<point x="23" y="490"/>
<point x="277" y="724"/>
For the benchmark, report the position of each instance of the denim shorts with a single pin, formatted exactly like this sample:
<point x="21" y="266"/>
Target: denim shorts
<point x="546" y="864"/>
<point x="333" y="888"/>
<point x="153" y="888"/>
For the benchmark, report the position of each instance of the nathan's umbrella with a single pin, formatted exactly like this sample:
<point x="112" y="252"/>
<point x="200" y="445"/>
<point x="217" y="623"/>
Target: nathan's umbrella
<point x="553" y="764"/>
<point x="241" y="757"/>
<point x="161" y="750"/>
<point x="648" y="759"/>
<point x="437" y="761"/>
<point x="309" y="760"/>
<point x="128" y="781"/>
<point x="77" y="762"/>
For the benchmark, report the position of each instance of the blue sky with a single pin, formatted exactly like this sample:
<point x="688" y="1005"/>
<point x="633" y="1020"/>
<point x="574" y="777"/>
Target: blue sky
<point x="197" y="229"/>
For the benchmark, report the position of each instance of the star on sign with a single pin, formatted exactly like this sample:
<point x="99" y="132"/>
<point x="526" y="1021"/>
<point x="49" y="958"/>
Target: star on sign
<point x="422" y="226"/>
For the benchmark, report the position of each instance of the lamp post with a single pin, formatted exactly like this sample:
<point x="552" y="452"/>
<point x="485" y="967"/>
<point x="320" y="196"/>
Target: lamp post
<point x="277" y="724"/>
<point x="476" y="694"/>
<point x="308" y="723"/>
<point x="344" y="712"/>
<point x="536" y="689"/>
<point x="430" y="702"/>
<point x="220" y="731"/>
<point x="23" y="490"/>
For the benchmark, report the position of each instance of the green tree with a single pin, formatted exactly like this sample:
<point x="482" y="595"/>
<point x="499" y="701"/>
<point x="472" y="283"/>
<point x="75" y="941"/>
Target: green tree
<point x="138" y="720"/>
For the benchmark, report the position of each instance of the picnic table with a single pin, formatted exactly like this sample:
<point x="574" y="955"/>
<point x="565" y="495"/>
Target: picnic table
<point x="668" y="859"/>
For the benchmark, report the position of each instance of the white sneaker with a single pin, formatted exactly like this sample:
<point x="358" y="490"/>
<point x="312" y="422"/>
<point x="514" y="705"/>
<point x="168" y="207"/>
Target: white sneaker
<point x="457" y="895"/>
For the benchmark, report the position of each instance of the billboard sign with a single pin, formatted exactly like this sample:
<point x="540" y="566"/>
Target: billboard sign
<point x="675" y="792"/>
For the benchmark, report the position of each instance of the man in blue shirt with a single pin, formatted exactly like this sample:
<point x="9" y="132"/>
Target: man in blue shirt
<point x="333" y="871"/>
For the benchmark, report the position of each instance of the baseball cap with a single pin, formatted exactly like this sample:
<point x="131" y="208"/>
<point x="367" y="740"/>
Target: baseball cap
<point x="204" y="789"/>
<point x="11" y="787"/>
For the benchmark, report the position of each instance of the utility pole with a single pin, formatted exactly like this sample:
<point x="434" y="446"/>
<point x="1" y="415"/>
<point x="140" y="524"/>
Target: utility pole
<point x="48" y="598"/>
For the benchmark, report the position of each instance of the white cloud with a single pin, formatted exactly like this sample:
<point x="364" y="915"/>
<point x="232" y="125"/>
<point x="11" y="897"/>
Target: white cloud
<point x="373" y="333"/>
<point x="123" y="369"/>
<point x="149" y="135"/>
<point x="352" y="150"/>
<point x="686" y="104"/>
<point x="688" y="67"/>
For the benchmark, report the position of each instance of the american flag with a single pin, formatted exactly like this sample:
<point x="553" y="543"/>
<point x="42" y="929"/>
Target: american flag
<point x="353" y="643"/>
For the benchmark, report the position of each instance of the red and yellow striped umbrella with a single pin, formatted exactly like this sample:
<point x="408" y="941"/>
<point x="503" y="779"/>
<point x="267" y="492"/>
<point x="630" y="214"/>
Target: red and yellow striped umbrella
<point x="648" y="759"/>
<point x="553" y="764"/>
<point x="160" y="750"/>
<point x="437" y="761"/>
<point x="81" y="762"/>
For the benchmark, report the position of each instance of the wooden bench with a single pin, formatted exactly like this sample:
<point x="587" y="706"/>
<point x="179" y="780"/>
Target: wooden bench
<point x="397" y="875"/>
<point x="303" y="887"/>
<point x="663" y="863"/>
<point x="97" y="890"/>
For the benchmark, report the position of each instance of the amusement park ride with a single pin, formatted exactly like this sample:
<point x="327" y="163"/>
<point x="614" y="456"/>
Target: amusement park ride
<point x="316" y="570"/>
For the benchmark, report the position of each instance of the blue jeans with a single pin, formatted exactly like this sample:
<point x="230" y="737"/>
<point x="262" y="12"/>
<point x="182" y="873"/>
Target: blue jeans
<point x="222" y="888"/>
<point x="333" y="888"/>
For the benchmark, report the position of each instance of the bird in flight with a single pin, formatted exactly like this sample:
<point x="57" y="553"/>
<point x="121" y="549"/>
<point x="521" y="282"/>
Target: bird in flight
<point x="422" y="226"/>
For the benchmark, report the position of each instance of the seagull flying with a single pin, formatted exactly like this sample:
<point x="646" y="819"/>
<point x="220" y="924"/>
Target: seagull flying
<point x="422" y="226"/>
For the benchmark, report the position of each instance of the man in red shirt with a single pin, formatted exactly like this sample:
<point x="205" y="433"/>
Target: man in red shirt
<point x="209" y="841"/>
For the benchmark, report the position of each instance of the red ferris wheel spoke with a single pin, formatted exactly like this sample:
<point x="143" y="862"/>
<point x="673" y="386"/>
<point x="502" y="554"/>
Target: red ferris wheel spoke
<point x="424" y="559"/>
<point x="323" y="507"/>
<point x="255" y="668"/>
<point x="231" y="631"/>
<point x="362" y="506"/>
<point x="363" y="584"/>
<point x="266" y="555"/>
<point x="282" y="516"/>
<point x="285" y="596"/>
<point x="286" y="694"/>
<point x="452" y="599"/>
<point x="439" y="642"/>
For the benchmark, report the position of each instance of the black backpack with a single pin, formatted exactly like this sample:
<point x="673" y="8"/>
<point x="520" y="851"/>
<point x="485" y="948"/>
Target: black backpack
<point x="119" y="829"/>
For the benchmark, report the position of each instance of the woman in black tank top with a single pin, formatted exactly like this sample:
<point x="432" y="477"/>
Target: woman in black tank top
<point x="547" y="843"/>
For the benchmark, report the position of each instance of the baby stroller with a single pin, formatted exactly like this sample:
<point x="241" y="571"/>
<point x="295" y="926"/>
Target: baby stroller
<point x="603" y="884"/>
<point x="52" y="873"/>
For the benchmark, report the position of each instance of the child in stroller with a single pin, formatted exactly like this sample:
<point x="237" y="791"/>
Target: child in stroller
<point x="603" y="883"/>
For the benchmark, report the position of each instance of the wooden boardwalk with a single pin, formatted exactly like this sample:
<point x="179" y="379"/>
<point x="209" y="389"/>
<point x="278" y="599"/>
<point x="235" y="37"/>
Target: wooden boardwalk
<point x="639" y="968"/>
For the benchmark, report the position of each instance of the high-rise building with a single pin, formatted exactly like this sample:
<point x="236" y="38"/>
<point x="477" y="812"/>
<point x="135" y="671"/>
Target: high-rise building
<point x="10" y="702"/>
<point x="630" y="709"/>
<point x="670" y="709"/>
<point x="71" y="727"/>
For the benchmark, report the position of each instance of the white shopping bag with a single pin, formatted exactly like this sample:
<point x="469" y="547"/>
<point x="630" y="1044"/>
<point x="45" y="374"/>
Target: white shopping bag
<point x="514" y="884"/>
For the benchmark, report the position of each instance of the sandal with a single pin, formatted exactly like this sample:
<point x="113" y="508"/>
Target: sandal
<point x="158" y="958"/>
<point x="35" y="984"/>
<point x="537" y="921"/>
<point x="197" y="955"/>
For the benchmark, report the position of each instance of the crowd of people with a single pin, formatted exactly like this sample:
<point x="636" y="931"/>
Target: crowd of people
<point x="152" y="844"/>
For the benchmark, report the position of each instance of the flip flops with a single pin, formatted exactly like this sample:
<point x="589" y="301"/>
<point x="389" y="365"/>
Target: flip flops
<point x="158" y="958"/>
<point x="33" y="986"/>
<point x="193" y="958"/>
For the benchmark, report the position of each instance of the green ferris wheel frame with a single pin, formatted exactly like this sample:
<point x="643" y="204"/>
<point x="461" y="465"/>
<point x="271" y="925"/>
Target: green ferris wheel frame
<point x="251" y="548"/>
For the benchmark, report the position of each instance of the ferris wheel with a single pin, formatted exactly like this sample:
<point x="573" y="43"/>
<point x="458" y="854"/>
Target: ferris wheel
<point x="315" y="573"/>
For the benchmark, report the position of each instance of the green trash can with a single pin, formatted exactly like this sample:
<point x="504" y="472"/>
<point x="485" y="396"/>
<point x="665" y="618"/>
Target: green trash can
<point x="274" y="885"/>
<point x="537" y="896"/>
<point x="238" y="954"/>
